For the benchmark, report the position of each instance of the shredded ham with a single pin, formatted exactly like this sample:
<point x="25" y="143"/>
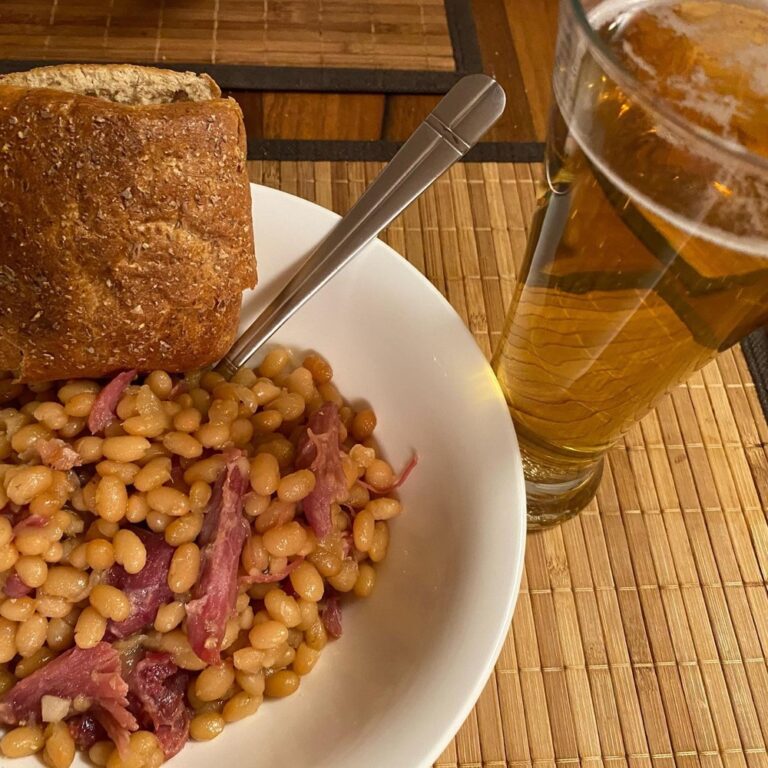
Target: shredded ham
<point x="318" y="450"/>
<point x="221" y="541"/>
<point x="157" y="689"/>
<point x="259" y="577"/>
<point x="407" y="469"/>
<point x="15" y="587"/>
<point x="331" y="617"/>
<point x="57" y="454"/>
<point x="93" y="674"/>
<point x="147" y="590"/>
<point x="103" y="409"/>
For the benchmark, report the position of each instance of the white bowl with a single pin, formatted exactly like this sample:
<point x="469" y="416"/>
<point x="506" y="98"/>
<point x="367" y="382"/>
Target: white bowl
<point x="415" y="655"/>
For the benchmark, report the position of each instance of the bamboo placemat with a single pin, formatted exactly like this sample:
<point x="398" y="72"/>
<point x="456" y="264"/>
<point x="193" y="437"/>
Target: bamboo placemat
<point x="252" y="43"/>
<point x="641" y="630"/>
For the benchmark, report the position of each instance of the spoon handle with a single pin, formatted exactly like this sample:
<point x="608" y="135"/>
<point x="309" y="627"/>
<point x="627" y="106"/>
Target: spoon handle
<point x="452" y="128"/>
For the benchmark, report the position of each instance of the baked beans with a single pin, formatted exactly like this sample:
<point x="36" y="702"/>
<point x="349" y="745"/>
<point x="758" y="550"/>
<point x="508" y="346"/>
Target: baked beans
<point x="158" y="466"/>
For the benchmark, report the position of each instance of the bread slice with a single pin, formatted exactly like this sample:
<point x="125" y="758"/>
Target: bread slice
<point x="125" y="223"/>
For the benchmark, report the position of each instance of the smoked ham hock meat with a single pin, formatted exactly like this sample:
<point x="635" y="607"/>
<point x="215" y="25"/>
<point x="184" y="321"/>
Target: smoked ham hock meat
<point x="125" y="221"/>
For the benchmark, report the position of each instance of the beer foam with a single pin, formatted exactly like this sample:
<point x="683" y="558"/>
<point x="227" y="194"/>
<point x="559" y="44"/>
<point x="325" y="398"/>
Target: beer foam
<point x="697" y="96"/>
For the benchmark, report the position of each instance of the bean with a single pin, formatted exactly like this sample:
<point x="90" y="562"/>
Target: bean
<point x="99" y="554"/>
<point x="296" y="486"/>
<point x="30" y="635"/>
<point x="285" y="540"/>
<point x="309" y="614"/>
<point x="61" y="634"/>
<point x="264" y="474"/>
<point x="380" y="475"/>
<point x="169" y="501"/>
<point x="130" y="551"/>
<point x="51" y="414"/>
<point x="59" y="746"/>
<point x="185" y="566"/>
<point x="136" y="509"/>
<point x="157" y="521"/>
<point x="24" y="438"/>
<point x="274" y="362"/>
<point x="282" y="607"/>
<point x="32" y="663"/>
<point x="316" y="637"/>
<point x="384" y="508"/>
<point x="345" y="579"/>
<point x="366" y="579"/>
<point x="363" y="529"/>
<point x="300" y="382"/>
<point x="282" y="684"/>
<point x="205" y="469"/>
<point x="256" y="504"/>
<point x="153" y="474"/>
<point x="184" y="529"/>
<point x="187" y="420"/>
<point x="213" y="435"/>
<point x="363" y="424"/>
<point x="17" y="608"/>
<point x="110" y="602"/>
<point x="380" y="543"/>
<point x="126" y="448"/>
<point x="72" y="428"/>
<point x="32" y="570"/>
<point x="67" y="582"/>
<point x="6" y="531"/>
<point x="199" y="495"/>
<point x="7" y="640"/>
<point x="183" y="444"/>
<point x="27" y="483"/>
<point x="268" y="635"/>
<point x="99" y="753"/>
<point x="53" y="607"/>
<point x="305" y="659"/>
<point x="222" y="411"/>
<point x="80" y="405"/>
<point x="169" y="616"/>
<point x="111" y="498"/>
<point x="126" y="472"/>
<point x="241" y="705"/>
<point x="90" y="628"/>
<point x="267" y="421"/>
<point x="206" y="726"/>
<point x="7" y="680"/>
<point x="214" y="681"/>
<point x="8" y="557"/>
<point x="160" y="383"/>
<point x="22" y="741"/>
<point x="89" y="449"/>
<point x="249" y="660"/>
<point x="290" y="405"/>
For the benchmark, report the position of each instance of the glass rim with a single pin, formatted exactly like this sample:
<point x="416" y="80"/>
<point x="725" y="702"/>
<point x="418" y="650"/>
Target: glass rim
<point x="659" y="106"/>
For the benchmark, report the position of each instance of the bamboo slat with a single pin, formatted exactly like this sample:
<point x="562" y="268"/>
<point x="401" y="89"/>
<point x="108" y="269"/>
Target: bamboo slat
<point x="377" y="34"/>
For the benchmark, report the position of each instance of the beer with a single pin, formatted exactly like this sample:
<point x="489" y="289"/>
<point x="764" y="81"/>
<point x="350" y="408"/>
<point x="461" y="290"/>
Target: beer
<point x="649" y="250"/>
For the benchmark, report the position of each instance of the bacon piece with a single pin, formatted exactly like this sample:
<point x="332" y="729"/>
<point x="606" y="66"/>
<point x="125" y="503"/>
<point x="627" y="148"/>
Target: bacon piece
<point x="57" y="454"/>
<point x="157" y="689"/>
<point x="330" y="615"/>
<point x="15" y="587"/>
<point x="93" y="673"/>
<point x="221" y="540"/>
<point x="258" y="577"/>
<point x="318" y="450"/>
<point x="103" y="408"/>
<point x="147" y="590"/>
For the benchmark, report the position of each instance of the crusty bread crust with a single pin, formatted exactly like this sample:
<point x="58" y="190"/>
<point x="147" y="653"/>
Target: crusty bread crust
<point x="125" y="233"/>
<point x="124" y="83"/>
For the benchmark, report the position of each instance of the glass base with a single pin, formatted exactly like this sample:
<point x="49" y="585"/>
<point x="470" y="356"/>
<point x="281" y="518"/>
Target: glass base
<point x="555" y="490"/>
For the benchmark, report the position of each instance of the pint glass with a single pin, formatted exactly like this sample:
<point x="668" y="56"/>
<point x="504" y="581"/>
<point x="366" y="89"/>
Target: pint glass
<point x="648" y="251"/>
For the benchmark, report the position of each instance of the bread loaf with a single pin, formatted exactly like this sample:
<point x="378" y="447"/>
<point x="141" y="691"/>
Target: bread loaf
<point x="125" y="222"/>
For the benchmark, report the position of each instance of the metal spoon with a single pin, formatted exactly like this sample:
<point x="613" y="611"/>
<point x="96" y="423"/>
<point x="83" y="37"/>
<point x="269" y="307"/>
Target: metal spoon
<point x="464" y="114"/>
